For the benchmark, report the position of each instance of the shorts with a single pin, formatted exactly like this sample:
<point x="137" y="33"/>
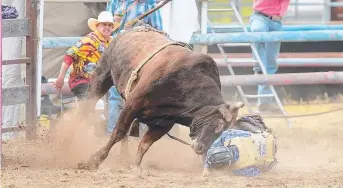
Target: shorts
<point x="80" y="91"/>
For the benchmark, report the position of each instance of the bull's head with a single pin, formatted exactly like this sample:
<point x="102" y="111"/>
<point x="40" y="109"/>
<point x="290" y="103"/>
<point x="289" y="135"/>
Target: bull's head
<point x="224" y="116"/>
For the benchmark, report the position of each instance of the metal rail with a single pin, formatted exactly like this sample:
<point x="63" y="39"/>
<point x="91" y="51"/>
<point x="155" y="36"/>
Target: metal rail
<point x="311" y="78"/>
<point x="247" y="80"/>
<point x="232" y="28"/>
<point x="222" y="38"/>
<point x="285" y="62"/>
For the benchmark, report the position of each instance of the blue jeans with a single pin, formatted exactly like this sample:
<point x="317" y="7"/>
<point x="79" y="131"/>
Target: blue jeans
<point x="115" y="104"/>
<point x="268" y="51"/>
<point x="114" y="108"/>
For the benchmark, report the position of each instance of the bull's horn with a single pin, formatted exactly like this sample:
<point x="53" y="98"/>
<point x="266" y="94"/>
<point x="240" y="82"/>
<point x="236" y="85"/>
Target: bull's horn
<point x="234" y="111"/>
<point x="228" y="111"/>
<point x="234" y="108"/>
<point x="239" y="105"/>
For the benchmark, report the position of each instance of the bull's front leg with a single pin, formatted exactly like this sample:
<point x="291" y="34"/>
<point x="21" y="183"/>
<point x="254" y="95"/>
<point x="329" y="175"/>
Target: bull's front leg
<point x="153" y="134"/>
<point x="122" y="127"/>
<point x="124" y="149"/>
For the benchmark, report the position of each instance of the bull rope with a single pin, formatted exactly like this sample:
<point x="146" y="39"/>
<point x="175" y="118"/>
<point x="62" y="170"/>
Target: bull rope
<point x="178" y="139"/>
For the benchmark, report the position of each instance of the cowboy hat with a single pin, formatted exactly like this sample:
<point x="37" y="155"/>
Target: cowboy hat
<point x="104" y="17"/>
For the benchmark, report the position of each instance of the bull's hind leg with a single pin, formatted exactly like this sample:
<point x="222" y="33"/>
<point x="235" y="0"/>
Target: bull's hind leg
<point x="124" y="148"/>
<point x="153" y="134"/>
<point x="122" y="127"/>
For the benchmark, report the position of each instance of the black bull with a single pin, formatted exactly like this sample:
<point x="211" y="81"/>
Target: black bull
<point x="176" y="85"/>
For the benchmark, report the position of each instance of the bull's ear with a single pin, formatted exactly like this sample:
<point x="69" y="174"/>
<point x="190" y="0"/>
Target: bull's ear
<point x="220" y="127"/>
<point x="224" y="109"/>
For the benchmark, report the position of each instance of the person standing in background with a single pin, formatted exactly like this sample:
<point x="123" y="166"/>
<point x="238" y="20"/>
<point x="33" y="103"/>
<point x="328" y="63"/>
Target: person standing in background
<point x="127" y="10"/>
<point x="267" y="17"/>
<point x="83" y="57"/>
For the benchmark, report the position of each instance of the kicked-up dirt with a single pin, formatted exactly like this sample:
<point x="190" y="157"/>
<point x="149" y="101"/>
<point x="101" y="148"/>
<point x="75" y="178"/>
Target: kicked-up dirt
<point x="310" y="154"/>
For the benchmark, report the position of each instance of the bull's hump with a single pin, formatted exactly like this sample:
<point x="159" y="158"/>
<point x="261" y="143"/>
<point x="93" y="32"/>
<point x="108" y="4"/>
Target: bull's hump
<point x="142" y="45"/>
<point x="140" y="40"/>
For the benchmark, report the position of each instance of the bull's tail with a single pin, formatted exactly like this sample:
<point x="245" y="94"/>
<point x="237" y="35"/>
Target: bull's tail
<point x="101" y="79"/>
<point x="100" y="83"/>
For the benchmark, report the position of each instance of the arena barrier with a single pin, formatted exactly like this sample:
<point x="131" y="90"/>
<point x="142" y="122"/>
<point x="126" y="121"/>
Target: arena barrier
<point x="284" y="79"/>
<point x="1" y="85"/>
<point x="280" y="36"/>
<point x="278" y="79"/>
<point x="222" y="38"/>
<point x="238" y="28"/>
<point x="26" y="94"/>
<point x="284" y="62"/>
<point x="248" y="80"/>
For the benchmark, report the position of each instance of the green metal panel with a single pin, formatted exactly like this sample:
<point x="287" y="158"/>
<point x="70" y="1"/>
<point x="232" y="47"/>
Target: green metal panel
<point x="229" y="16"/>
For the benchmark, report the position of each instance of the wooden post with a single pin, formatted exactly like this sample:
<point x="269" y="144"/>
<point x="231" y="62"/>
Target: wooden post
<point x="31" y="51"/>
<point x="1" y="86"/>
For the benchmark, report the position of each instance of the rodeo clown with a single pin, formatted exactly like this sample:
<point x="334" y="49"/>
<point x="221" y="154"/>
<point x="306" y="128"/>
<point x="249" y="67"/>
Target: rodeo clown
<point x="245" y="152"/>
<point x="81" y="59"/>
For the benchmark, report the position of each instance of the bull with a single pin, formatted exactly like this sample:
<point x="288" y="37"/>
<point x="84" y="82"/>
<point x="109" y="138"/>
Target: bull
<point x="163" y="83"/>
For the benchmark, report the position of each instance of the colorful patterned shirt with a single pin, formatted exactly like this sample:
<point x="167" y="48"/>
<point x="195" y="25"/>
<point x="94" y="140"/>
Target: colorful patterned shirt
<point x="84" y="56"/>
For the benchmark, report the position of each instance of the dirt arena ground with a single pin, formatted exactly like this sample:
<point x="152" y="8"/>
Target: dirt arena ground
<point x="310" y="155"/>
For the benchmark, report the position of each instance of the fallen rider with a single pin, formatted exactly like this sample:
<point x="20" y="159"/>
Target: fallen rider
<point x="247" y="149"/>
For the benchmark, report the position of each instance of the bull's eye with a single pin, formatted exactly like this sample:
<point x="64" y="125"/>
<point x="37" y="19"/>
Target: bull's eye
<point x="220" y="126"/>
<point x="221" y="121"/>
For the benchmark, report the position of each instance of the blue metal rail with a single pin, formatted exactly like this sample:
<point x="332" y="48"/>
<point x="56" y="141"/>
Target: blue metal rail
<point x="221" y="38"/>
<point x="237" y="28"/>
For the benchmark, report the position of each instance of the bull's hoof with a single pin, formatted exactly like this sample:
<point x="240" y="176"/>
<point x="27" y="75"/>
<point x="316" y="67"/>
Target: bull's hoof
<point x="87" y="166"/>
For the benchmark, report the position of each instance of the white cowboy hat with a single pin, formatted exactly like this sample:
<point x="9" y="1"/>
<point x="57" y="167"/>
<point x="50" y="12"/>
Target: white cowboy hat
<point x="104" y="17"/>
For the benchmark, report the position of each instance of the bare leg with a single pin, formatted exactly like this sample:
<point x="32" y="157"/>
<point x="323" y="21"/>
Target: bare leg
<point x="122" y="127"/>
<point x="153" y="134"/>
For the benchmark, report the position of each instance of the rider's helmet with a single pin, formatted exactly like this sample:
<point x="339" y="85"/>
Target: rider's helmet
<point x="220" y="157"/>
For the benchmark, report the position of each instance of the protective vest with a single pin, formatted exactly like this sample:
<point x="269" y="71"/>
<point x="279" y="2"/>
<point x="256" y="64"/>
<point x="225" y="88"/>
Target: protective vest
<point x="249" y="150"/>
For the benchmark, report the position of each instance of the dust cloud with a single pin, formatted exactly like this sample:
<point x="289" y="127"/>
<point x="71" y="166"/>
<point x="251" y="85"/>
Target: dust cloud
<point x="309" y="154"/>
